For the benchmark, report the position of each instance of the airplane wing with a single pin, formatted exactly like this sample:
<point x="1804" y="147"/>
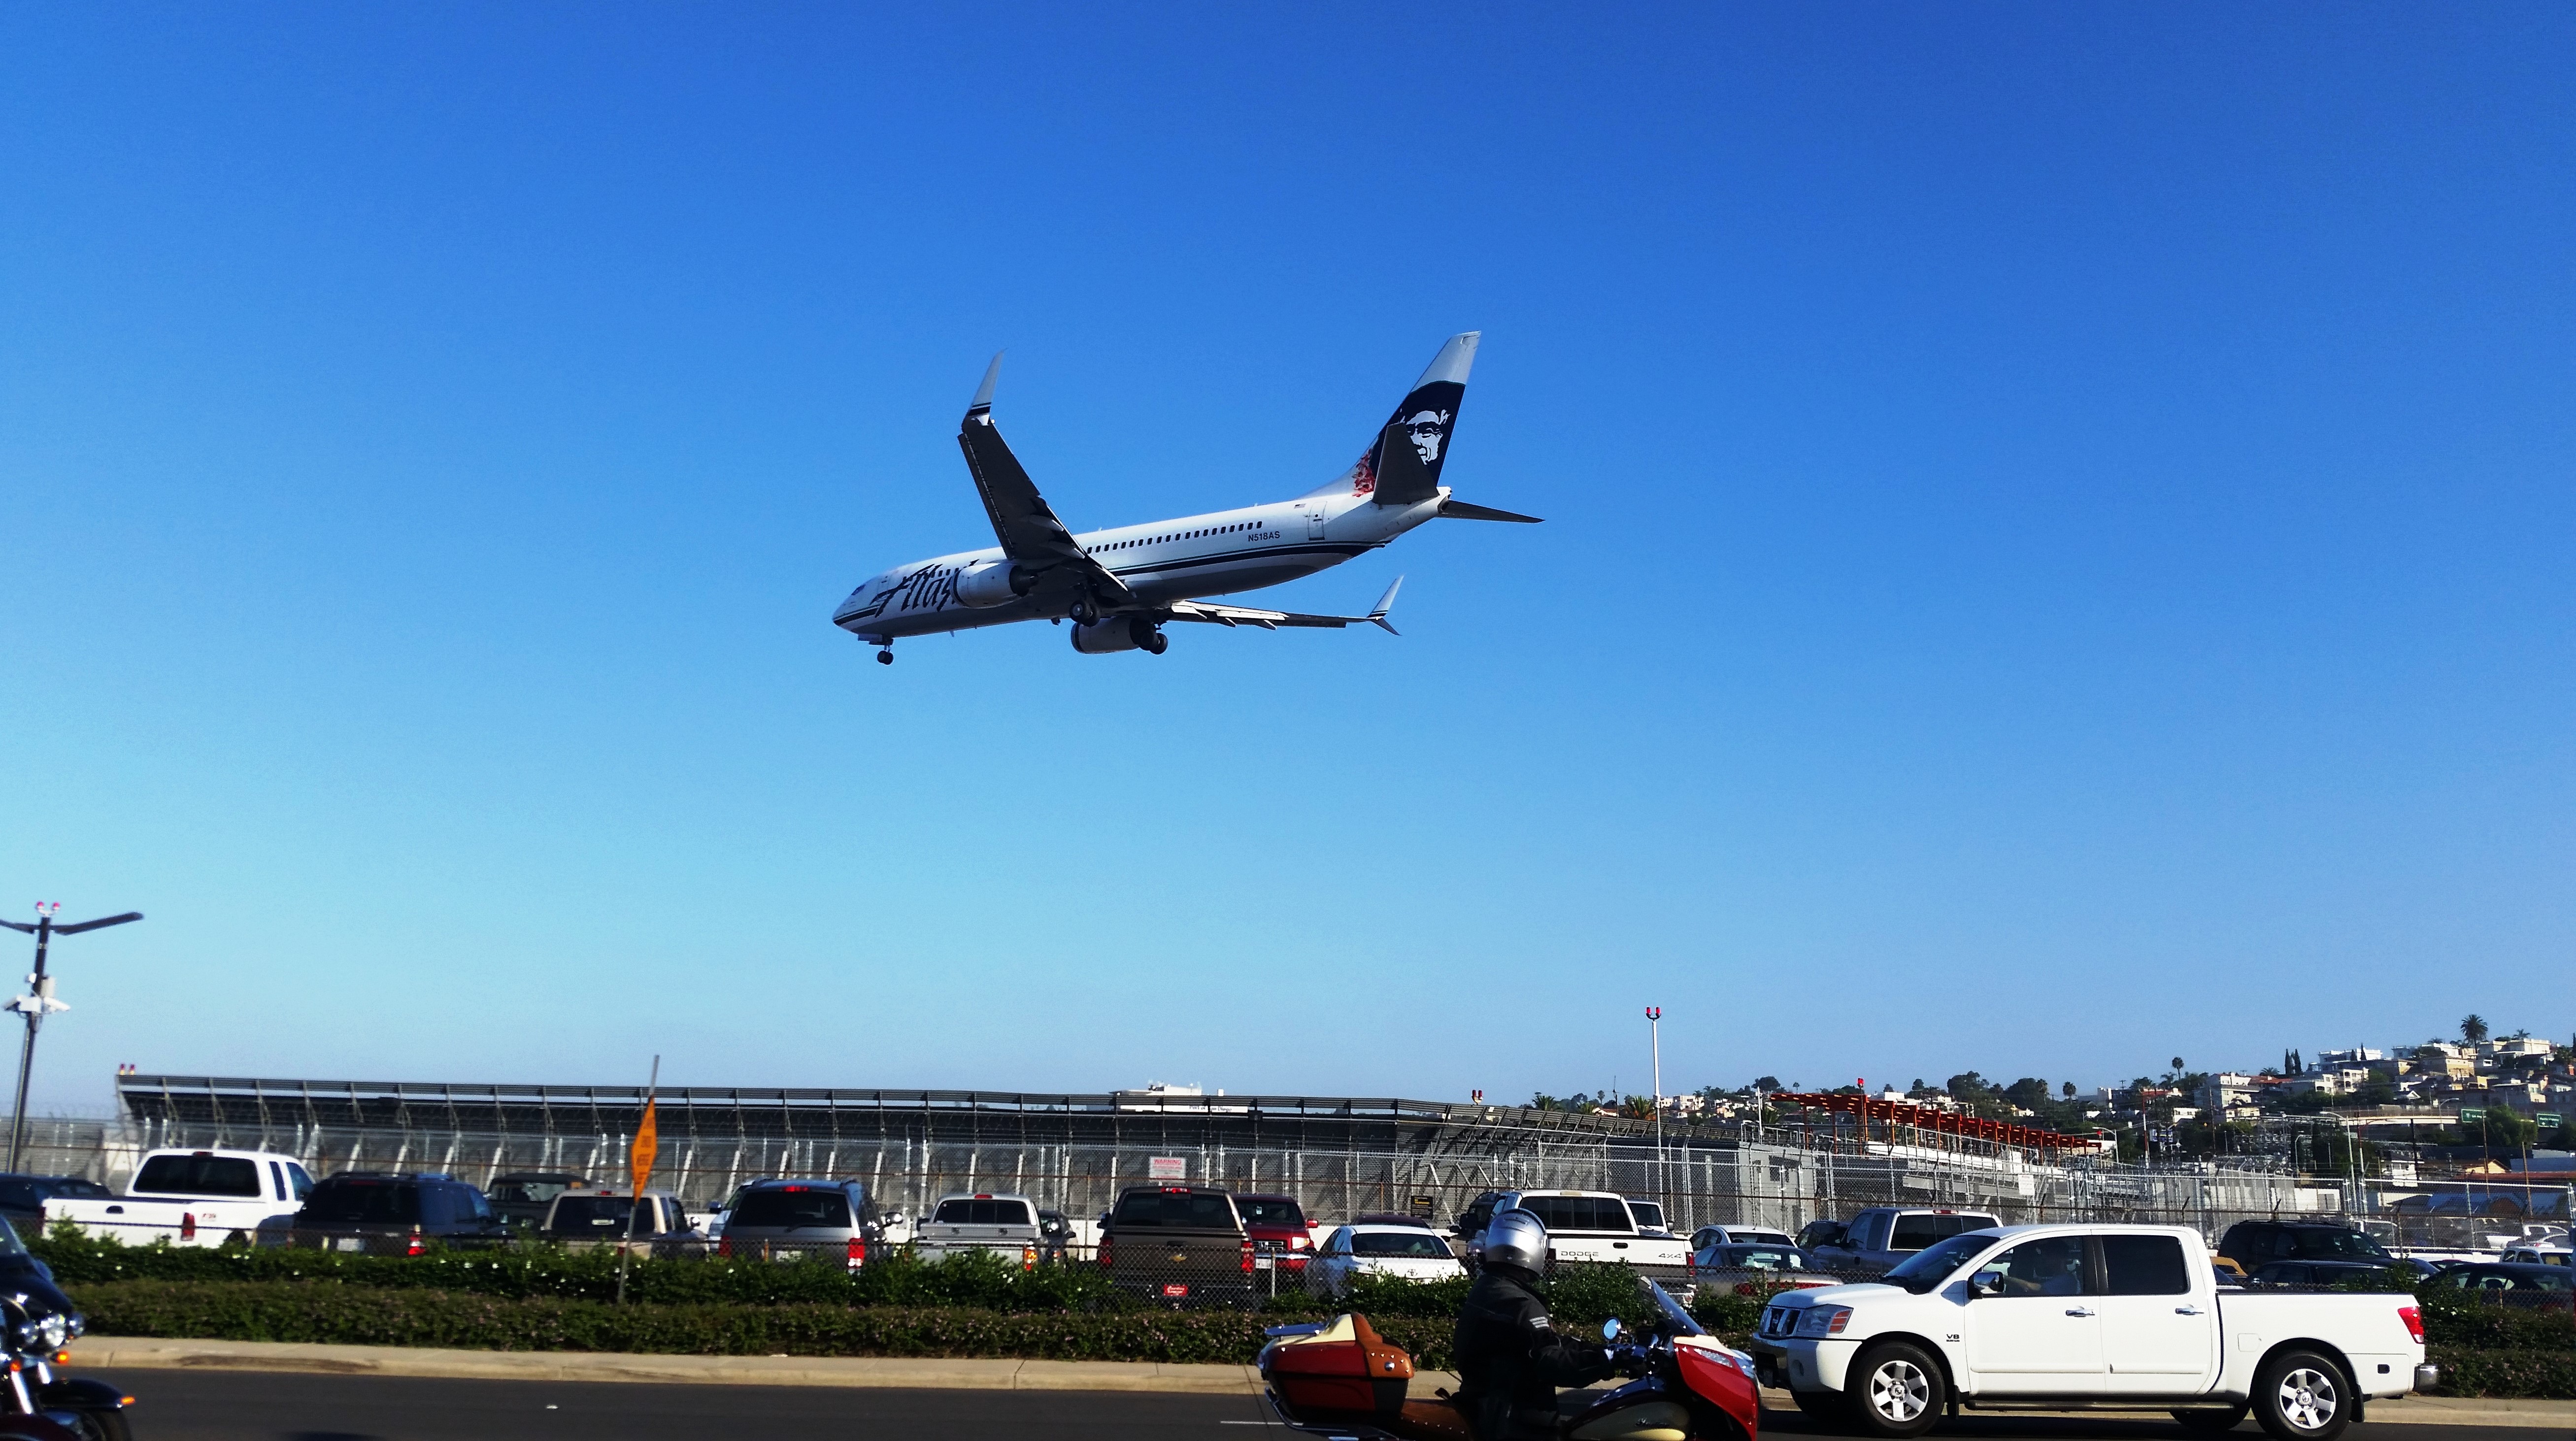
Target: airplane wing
<point x="1023" y="522"/>
<point x="1235" y="615"/>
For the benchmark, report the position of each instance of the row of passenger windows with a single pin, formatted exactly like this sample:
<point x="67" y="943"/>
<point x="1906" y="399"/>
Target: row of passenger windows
<point x="1183" y="535"/>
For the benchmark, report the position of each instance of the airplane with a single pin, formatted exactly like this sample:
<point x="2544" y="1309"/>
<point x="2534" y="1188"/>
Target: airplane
<point x="1120" y="587"/>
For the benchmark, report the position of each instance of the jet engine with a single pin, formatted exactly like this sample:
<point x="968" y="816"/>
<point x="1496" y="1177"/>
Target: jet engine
<point x="1117" y="633"/>
<point x="994" y="582"/>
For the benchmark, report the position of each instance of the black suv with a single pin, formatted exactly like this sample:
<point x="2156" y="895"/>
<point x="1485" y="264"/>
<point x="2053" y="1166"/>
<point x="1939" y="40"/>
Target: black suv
<point x="394" y="1214"/>
<point x="2256" y="1244"/>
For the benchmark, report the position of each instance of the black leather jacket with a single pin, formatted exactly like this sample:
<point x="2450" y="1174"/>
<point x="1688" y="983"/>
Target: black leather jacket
<point x="1510" y="1358"/>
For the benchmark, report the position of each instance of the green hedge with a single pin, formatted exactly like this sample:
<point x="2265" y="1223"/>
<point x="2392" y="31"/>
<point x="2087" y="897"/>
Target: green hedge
<point x="2455" y="1319"/>
<point x="376" y="1316"/>
<point x="976" y="1278"/>
<point x="2517" y="1373"/>
<point x="354" y="1314"/>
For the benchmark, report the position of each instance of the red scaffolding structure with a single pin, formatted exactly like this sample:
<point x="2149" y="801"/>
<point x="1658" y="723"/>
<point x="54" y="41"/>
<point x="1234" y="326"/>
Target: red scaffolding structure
<point x="1933" y="1121"/>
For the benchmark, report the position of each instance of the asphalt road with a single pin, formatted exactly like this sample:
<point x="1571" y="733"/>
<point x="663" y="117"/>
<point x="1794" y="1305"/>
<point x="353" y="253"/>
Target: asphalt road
<point x="262" y="1406"/>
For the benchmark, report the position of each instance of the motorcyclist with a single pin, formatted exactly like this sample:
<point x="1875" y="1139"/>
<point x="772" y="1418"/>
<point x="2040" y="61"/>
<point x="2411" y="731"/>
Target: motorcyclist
<point x="1510" y="1358"/>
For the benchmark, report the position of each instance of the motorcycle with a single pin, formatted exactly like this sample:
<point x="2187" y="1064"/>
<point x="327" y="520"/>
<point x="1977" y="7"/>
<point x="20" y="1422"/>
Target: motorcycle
<point x="42" y="1402"/>
<point x="1340" y="1379"/>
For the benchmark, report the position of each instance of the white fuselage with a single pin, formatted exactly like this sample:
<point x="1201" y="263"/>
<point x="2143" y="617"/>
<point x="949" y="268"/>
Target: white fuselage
<point x="1220" y="553"/>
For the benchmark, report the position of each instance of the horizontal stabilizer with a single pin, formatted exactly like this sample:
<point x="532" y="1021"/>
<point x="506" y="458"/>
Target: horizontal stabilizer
<point x="1236" y="615"/>
<point x="1461" y="510"/>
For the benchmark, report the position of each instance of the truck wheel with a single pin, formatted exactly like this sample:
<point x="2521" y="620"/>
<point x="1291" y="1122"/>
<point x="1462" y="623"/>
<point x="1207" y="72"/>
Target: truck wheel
<point x="1895" y="1391"/>
<point x="2211" y="1418"/>
<point x="2302" y="1396"/>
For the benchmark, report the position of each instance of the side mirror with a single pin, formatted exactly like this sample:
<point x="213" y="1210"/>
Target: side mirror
<point x="1610" y="1329"/>
<point x="1986" y="1283"/>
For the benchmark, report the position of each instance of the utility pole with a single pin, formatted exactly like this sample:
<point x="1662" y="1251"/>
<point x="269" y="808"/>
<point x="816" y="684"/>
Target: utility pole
<point x="40" y="1002"/>
<point x="1655" y="1038"/>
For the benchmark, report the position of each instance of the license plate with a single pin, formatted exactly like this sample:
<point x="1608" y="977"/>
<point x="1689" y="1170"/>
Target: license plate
<point x="1261" y="1263"/>
<point x="1175" y="1289"/>
<point x="348" y="1243"/>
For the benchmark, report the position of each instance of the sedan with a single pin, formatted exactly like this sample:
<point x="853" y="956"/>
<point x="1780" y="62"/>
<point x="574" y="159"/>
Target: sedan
<point x="1707" y="1236"/>
<point x="1412" y="1253"/>
<point x="2515" y="1283"/>
<point x="1752" y="1269"/>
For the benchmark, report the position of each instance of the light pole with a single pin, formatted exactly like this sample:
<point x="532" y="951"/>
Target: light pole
<point x="1655" y="1038"/>
<point x="40" y="1003"/>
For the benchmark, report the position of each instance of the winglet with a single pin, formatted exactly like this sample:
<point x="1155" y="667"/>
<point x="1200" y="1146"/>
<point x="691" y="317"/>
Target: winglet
<point x="984" y="393"/>
<point x="1385" y="603"/>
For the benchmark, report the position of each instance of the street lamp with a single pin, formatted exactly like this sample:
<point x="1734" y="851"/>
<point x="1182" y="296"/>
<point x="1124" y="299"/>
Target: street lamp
<point x="41" y="1003"/>
<point x="1655" y="1038"/>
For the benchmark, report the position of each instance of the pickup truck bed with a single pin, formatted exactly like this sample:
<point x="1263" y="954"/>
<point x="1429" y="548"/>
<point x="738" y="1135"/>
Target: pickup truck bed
<point x="1007" y="1226"/>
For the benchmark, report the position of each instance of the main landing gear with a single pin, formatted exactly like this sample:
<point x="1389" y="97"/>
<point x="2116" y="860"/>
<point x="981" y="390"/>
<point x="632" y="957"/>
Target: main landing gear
<point x="886" y="656"/>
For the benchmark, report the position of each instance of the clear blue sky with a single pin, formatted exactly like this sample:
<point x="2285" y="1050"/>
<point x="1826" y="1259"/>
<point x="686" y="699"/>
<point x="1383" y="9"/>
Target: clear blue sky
<point x="2058" y="546"/>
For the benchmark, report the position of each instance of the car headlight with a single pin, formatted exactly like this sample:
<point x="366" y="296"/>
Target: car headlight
<point x="1824" y="1321"/>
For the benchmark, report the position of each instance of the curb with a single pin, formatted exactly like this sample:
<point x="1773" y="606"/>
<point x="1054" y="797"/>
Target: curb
<point x="923" y="1372"/>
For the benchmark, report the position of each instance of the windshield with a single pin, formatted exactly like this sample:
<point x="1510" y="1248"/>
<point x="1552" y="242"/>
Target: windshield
<point x="795" y="1207"/>
<point x="1931" y="1266"/>
<point x="1422" y="1244"/>
<point x="2336" y="1245"/>
<point x="1269" y="1211"/>
<point x="198" y="1175"/>
<point x="1182" y="1210"/>
<point x="529" y="1189"/>
<point x="389" y="1202"/>
<point x="1674" y="1316"/>
<point x="597" y="1215"/>
<point x="1580" y="1213"/>
<point x="986" y="1212"/>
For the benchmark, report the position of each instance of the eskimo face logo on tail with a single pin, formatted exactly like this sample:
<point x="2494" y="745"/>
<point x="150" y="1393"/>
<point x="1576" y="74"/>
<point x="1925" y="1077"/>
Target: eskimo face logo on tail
<point x="1429" y="428"/>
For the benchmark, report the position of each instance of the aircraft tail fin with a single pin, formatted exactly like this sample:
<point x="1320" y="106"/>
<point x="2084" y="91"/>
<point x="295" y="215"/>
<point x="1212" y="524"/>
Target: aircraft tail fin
<point x="1402" y="465"/>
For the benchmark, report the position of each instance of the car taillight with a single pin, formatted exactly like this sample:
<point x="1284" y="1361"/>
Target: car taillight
<point x="1104" y="1250"/>
<point x="858" y="1251"/>
<point x="187" y="1225"/>
<point x="414" y="1248"/>
<point x="1247" y="1256"/>
<point x="724" y="1248"/>
<point x="1301" y="1242"/>
<point x="1028" y="1258"/>
<point x="2413" y="1316"/>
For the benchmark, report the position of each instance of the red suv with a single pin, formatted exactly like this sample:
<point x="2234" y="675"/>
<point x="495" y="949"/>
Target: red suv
<point x="1278" y="1230"/>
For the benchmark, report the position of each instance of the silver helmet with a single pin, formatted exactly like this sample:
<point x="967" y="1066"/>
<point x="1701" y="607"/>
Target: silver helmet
<point x="1516" y="1238"/>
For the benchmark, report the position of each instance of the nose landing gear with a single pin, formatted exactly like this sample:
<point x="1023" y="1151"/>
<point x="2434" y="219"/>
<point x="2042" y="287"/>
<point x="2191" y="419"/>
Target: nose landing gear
<point x="1083" y="612"/>
<point x="885" y="655"/>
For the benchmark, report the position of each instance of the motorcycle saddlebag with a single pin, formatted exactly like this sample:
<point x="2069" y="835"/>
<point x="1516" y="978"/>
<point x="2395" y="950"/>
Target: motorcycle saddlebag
<point x="1343" y="1373"/>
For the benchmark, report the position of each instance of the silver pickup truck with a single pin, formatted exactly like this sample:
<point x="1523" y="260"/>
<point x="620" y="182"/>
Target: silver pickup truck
<point x="1002" y="1224"/>
<point x="2085" y="1317"/>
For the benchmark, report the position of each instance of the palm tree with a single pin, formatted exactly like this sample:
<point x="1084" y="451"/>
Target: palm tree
<point x="2473" y="1028"/>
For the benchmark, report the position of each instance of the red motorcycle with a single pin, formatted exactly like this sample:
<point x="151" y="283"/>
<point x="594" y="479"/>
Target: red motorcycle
<point x="1340" y="1379"/>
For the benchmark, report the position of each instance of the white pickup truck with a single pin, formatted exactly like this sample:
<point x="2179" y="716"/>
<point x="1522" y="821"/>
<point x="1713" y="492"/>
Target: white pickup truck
<point x="1596" y="1226"/>
<point x="194" y="1198"/>
<point x="2085" y="1317"/>
<point x="1007" y="1226"/>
